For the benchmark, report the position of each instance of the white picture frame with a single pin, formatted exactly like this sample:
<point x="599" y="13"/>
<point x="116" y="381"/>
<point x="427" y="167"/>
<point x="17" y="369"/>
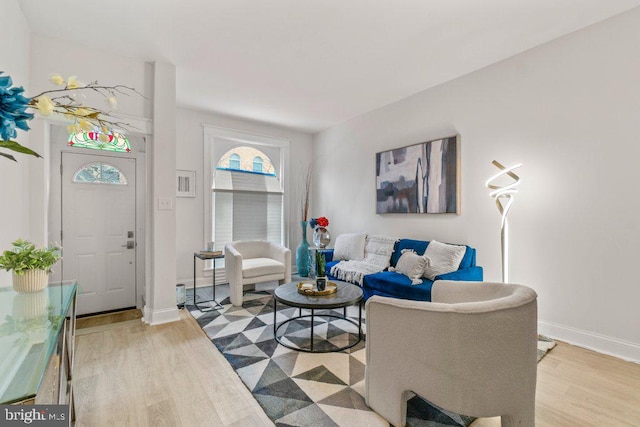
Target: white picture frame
<point x="185" y="183"/>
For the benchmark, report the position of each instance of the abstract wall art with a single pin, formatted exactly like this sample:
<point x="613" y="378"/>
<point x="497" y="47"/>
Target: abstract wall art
<point x="419" y="178"/>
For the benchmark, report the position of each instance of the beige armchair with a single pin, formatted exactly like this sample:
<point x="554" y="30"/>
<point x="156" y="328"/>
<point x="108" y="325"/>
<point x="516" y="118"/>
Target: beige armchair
<point x="254" y="261"/>
<point x="472" y="350"/>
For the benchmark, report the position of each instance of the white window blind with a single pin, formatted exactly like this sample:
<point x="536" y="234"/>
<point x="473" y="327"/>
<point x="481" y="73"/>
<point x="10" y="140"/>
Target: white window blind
<point x="246" y="206"/>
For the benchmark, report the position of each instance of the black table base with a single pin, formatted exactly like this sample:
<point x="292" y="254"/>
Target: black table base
<point x="216" y="304"/>
<point x="276" y="327"/>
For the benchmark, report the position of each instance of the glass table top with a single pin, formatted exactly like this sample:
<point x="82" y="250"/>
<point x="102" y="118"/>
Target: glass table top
<point x="29" y="327"/>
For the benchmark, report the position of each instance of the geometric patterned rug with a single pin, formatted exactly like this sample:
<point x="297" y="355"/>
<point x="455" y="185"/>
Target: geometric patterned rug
<point x="304" y="389"/>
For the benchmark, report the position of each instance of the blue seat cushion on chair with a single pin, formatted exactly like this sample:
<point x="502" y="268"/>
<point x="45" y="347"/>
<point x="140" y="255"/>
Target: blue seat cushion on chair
<point x="396" y="285"/>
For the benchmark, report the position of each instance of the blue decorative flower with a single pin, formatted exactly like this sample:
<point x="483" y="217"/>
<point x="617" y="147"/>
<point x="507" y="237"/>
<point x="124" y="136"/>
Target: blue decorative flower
<point x="13" y="109"/>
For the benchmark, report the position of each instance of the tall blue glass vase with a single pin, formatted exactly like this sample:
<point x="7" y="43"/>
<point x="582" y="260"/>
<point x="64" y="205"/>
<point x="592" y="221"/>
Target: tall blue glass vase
<point x="302" y="253"/>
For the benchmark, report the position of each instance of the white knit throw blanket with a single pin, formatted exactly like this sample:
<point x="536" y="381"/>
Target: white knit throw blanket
<point x="353" y="271"/>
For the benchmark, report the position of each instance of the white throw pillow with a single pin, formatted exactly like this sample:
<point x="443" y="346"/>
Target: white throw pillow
<point x="378" y="250"/>
<point x="349" y="246"/>
<point x="442" y="258"/>
<point x="411" y="265"/>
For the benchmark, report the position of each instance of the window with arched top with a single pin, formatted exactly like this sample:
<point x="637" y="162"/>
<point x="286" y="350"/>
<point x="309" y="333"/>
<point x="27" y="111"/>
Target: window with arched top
<point x="246" y="159"/>
<point x="99" y="173"/>
<point x="234" y="161"/>
<point x="247" y="197"/>
<point x="257" y="164"/>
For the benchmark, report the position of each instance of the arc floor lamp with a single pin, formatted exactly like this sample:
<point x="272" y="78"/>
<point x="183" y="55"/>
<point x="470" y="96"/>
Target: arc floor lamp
<point x="503" y="194"/>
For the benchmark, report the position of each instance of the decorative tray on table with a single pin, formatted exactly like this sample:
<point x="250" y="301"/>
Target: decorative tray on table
<point x="331" y="288"/>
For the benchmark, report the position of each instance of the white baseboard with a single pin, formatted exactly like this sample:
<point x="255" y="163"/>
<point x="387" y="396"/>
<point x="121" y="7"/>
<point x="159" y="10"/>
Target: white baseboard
<point x="206" y="280"/>
<point x="625" y="350"/>
<point x="158" y="317"/>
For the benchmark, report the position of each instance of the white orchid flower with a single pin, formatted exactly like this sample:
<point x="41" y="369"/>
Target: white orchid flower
<point x="44" y="105"/>
<point x="72" y="82"/>
<point x="57" y="79"/>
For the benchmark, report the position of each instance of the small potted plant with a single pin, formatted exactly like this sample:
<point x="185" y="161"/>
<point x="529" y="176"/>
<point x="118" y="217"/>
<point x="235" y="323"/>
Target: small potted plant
<point x="30" y="265"/>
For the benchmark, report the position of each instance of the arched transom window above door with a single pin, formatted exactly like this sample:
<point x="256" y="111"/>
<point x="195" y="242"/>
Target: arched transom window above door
<point x="96" y="140"/>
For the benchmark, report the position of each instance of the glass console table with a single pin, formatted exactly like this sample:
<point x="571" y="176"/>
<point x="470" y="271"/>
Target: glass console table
<point x="37" y="345"/>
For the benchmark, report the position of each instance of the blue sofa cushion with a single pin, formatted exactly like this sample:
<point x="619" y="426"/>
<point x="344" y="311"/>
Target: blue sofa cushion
<point x="469" y="259"/>
<point x="471" y="274"/>
<point x="328" y="267"/>
<point x="419" y="246"/>
<point x="396" y="285"/>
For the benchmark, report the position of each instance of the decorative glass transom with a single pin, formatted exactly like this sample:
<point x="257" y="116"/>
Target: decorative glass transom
<point x="99" y="173"/>
<point x="97" y="140"/>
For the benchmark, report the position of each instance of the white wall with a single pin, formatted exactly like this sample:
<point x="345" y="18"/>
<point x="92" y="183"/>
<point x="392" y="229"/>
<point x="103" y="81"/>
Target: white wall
<point x="14" y="221"/>
<point x="570" y="111"/>
<point x="156" y="82"/>
<point x="49" y="56"/>
<point x="189" y="156"/>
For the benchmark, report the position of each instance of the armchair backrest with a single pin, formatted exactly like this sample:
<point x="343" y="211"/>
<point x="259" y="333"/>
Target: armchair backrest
<point x="254" y="248"/>
<point x="479" y="330"/>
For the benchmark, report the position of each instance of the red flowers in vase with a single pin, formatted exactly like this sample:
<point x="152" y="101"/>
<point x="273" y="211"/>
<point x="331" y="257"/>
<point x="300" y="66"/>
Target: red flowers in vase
<point x="319" y="222"/>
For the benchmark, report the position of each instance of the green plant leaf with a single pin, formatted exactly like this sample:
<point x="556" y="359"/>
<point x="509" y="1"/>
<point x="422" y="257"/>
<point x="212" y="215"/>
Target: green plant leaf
<point x="14" y="146"/>
<point x="8" y="156"/>
<point x="26" y="256"/>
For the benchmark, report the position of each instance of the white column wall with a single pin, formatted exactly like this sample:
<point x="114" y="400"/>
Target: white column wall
<point x="161" y="295"/>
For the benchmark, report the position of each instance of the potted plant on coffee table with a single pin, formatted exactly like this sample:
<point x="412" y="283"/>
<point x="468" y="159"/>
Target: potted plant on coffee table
<point x="30" y="265"/>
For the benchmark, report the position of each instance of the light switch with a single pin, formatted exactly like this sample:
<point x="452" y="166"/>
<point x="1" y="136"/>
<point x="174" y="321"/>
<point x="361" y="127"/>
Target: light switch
<point x="165" y="203"/>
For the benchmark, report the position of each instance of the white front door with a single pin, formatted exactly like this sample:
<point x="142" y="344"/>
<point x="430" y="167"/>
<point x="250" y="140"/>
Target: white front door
<point x="98" y="230"/>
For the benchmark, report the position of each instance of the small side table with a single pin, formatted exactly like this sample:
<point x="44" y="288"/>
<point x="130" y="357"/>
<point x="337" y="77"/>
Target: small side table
<point x="204" y="257"/>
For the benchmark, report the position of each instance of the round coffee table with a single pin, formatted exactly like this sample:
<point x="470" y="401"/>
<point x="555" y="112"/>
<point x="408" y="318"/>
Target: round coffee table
<point x="347" y="294"/>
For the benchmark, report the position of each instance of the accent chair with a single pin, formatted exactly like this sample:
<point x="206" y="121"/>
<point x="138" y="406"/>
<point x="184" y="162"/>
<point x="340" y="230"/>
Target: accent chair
<point x="254" y="261"/>
<point x="472" y="350"/>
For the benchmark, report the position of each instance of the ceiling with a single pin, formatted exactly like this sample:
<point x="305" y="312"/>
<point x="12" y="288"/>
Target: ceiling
<point x="309" y="65"/>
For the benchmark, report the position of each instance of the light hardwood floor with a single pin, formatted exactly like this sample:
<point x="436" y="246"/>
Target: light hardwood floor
<point x="171" y="375"/>
<point x="165" y="375"/>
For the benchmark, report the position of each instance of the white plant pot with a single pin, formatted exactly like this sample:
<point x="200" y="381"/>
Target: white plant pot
<point x="30" y="281"/>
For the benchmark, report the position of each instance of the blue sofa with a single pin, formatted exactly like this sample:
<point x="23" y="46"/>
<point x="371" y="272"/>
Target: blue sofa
<point x="396" y="285"/>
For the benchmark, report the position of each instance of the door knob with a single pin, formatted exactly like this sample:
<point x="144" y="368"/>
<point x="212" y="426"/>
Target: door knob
<point x="130" y="244"/>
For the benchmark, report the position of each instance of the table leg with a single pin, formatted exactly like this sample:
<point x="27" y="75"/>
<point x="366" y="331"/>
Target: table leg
<point x="344" y="312"/>
<point x="312" y="310"/>
<point x="194" y="280"/>
<point x="214" y="281"/>
<point x="275" y="308"/>
<point x="360" y="320"/>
